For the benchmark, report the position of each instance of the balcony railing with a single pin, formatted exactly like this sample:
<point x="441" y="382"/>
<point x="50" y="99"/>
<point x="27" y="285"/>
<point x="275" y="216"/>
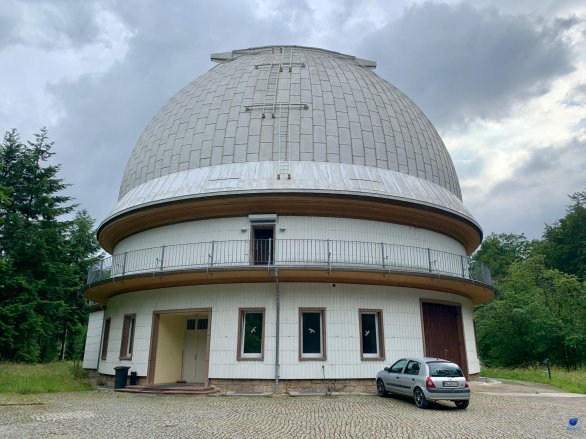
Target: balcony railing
<point x="288" y="253"/>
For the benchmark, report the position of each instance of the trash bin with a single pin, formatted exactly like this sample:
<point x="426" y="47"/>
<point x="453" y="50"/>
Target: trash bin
<point x="120" y="376"/>
<point x="133" y="378"/>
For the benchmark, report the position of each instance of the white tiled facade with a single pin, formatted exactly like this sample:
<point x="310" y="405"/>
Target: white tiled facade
<point x="400" y="310"/>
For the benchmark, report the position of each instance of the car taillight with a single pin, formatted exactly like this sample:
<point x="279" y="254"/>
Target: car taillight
<point x="466" y="384"/>
<point x="429" y="383"/>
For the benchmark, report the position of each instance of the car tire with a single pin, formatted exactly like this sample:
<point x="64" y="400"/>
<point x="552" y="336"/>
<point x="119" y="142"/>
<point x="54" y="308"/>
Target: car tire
<point x="420" y="399"/>
<point x="462" y="403"/>
<point x="380" y="388"/>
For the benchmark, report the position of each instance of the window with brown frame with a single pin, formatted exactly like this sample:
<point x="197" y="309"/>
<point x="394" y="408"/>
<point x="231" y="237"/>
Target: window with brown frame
<point x="127" y="344"/>
<point x="312" y="334"/>
<point x="251" y="331"/>
<point x="105" y="338"/>
<point x="372" y="346"/>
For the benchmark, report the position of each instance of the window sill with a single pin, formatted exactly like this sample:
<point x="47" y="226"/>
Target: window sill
<point x="125" y="358"/>
<point x="312" y="358"/>
<point x="372" y="358"/>
<point x="250" y="358"/>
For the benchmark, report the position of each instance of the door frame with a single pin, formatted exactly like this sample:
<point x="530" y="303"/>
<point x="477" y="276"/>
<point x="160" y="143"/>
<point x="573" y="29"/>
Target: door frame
<point x="155" y="336"/>
<point x="253" y="239"/>
<point x="459" y="324"/>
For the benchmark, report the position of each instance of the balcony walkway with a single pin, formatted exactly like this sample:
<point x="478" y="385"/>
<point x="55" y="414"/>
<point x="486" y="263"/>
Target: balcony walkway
<point x="295" y="260"/>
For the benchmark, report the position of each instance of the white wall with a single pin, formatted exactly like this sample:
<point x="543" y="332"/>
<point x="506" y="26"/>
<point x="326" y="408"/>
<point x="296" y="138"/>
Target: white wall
<point x="93" y="339"/>
<point x="401" y="318"/>
<point x="296" y="227"/>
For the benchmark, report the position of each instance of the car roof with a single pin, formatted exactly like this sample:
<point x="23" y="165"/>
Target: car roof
<point x="427" y="359"/>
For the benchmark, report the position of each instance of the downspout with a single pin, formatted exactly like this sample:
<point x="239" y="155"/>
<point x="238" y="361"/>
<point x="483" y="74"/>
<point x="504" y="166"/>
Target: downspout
<point x="101" y="341"/>
<point x="278" y="320"/>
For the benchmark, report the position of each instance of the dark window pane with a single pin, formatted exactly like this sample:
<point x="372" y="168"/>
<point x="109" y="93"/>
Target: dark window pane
<point x="190" y="324"/>
<point x="252" y="333"/>
<point x="369" y="342"/>
<point x="311" y="324"/>
<point x="202" y="324"/>
<point x="442" y="369"/>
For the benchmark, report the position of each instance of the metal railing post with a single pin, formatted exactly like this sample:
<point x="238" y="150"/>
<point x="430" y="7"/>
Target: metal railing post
<point x="270" y="254"/>
<point x="124" y="263"/>
<point x="429" y="259"/>
<point x="162" y="257"/>
<point x="462" y="262"/>
<point x="382" y="251"/>
<point x="211" y="256"/>
<point x="329" y="257"/>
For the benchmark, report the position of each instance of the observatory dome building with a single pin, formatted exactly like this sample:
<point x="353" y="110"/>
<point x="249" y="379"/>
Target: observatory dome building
<point x="289" y="220"/>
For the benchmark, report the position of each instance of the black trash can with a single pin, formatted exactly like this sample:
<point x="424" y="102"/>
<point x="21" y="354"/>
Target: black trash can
<point x="120" y="376"/>
<point x="133" y="378"/>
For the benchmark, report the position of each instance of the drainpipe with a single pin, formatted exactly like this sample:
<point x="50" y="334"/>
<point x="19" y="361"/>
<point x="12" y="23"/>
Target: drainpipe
<point x="101" y="341"/>
<point x="278" y="319"/>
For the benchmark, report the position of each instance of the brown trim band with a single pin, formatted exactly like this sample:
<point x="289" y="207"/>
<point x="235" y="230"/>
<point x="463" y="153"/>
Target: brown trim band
<point x="476" y="292"/>
<point x="408" y="213"/>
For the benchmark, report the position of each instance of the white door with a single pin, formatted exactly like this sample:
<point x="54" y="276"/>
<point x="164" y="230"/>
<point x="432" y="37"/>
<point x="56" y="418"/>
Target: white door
<point x="194" y="352"/>
<point x="200" y="355"/>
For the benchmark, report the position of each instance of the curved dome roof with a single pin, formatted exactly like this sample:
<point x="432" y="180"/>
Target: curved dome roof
<point x="290" y="104"/>
<point x="290" y="129"/>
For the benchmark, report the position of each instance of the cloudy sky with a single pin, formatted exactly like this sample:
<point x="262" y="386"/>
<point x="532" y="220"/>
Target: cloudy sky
<point x="503" y="81"/>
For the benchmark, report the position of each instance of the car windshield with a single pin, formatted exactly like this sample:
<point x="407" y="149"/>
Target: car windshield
<point x="441" y="369"/>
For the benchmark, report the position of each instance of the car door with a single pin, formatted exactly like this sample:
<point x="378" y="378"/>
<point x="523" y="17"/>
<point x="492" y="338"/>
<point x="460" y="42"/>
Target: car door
<point x="393" y="380"/>
<point x="409" y="376"/>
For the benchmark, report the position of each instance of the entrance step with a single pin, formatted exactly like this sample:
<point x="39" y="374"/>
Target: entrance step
<point x="179" y="389"/>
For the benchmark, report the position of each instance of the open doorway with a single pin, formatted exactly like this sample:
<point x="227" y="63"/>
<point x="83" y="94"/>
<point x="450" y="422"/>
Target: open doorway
<point x="180" y="347"/>
<point x="263" y="244"/>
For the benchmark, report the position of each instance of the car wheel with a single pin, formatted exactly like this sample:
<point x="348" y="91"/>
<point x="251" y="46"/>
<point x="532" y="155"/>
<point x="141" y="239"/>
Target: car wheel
<point x="380" y="388"/>
<point x="462" y="403"/>
<point x="420" y="399"/>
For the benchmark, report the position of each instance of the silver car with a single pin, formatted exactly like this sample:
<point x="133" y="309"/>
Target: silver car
<point x="425" y="379"/>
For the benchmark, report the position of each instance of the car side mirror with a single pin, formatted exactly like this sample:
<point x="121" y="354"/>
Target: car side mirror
<point x="387" y="369"/>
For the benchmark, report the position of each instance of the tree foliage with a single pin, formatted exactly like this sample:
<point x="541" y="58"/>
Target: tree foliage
<point x="565" y="240"/>
<point x="540" y="309"/>
<point x="43" y="257"/>
<point x="499" y="251"/>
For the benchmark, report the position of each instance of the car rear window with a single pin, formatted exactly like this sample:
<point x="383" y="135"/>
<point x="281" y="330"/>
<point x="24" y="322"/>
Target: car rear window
<point x="441" y="369"/>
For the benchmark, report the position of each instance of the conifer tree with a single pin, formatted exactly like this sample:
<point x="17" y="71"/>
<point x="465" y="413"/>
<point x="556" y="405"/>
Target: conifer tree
<point x="42" y="254"/>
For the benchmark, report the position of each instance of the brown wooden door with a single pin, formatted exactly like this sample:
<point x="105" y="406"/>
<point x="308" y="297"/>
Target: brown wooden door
<point x="442" y="326"/>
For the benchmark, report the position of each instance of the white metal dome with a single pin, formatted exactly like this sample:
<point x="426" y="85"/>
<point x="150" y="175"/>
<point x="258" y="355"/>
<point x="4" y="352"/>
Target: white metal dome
<point x="337" y="110"/>
<point x="289" y="119"/>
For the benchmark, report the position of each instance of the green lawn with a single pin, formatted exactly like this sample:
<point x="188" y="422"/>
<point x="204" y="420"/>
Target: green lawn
<point x="42" y="378"/>
<point x="572" y="381"/>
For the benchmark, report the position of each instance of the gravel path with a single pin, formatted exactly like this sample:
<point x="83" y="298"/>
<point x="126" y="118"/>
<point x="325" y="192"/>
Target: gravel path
<point x="105" y="414"/>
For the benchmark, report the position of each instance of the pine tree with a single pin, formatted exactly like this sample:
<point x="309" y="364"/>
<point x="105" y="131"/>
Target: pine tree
<point x="41" y="256"/>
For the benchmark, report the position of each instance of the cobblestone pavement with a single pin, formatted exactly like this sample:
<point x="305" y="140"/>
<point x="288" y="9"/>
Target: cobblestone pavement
<point x="105" y="414"/>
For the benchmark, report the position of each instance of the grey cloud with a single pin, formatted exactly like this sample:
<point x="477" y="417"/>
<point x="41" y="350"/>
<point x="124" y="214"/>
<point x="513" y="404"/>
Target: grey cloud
<point x="48" y="24"/>
<point x="535" y="194"/>
<point x="460" y="63"/>
<point x="171" y="46"/>
<point x="576" y="97"/>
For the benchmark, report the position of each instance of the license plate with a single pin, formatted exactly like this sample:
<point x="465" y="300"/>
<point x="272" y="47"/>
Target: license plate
<point x="450" y="383"/>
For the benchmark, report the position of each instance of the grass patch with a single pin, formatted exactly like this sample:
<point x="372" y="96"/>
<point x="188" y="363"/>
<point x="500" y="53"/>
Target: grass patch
<point x="43" y="378"/>
<point x="572" y="381"/>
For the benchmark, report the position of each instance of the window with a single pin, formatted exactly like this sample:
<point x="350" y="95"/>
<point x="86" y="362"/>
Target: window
<point x="312" y="337"/>
<point x="190" y="325"/>
<point x="412" y="368"/>
<point x="371" y="335"/>
<point x="251" y="334"/>
<point x="398" y="366"/>
<point x="105" y="338"/>
<point x="127" y="344"/>
<point x="263" y="243"/>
